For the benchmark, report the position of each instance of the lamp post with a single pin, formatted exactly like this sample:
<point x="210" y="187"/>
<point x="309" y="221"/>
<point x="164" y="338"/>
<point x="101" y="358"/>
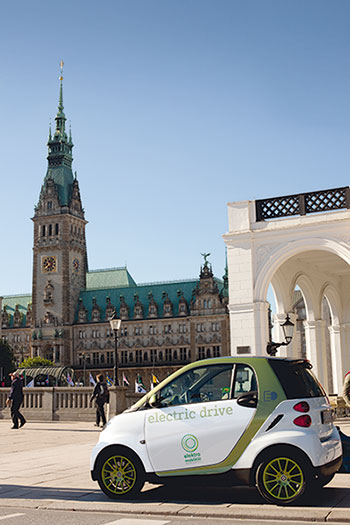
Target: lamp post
<point x="83" y="357"/>
<point x="115" y="323"/>
<point x="287" y="328"/>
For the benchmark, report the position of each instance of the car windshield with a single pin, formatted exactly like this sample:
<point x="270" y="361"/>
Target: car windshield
<point x="207" y="383"/>
<point x="297" y="379"/>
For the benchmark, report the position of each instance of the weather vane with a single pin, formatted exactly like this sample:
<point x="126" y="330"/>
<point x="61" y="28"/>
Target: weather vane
<point x="61" y="67"/>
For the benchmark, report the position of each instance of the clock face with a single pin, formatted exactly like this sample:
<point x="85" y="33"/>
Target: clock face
<point x="49" y="264"/>
<point x="76" y="265"/>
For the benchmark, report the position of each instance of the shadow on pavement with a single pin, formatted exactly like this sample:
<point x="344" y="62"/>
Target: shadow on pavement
<point x="327" y="497"/>
<point x="177" y="494"/>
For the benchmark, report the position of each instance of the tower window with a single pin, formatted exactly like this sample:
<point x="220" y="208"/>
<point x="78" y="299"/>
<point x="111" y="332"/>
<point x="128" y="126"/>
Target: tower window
<point x="43" y="230"/>
<point x="50" y="229"/>
<point x="56" y="228"/>
<point x="49" y="205"/>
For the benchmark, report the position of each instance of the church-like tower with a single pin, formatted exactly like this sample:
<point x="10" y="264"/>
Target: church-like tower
<point x="59" y="248"/>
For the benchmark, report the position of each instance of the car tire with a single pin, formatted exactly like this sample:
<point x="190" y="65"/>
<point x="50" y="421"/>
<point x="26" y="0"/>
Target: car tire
<point x="120" y="473"/>
<point x="282" y="477"/>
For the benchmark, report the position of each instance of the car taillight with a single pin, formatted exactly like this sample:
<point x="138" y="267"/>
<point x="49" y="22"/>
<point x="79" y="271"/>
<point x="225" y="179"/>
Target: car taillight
<point x="303" y="406"/>
<point x="302" y="421"/>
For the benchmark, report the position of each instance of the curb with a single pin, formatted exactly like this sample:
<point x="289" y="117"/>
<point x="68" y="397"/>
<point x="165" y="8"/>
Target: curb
<point x="228" y="511"/>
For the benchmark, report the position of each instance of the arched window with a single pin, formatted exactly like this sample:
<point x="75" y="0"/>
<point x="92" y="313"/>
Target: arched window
<point x="56" y="228"/>
<point x="50" y="229"/>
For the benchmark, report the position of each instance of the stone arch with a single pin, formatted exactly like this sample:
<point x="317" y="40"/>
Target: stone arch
<point x="282" y="254"/>
<point x="331" y="294"/>
<point x="308" y="294"/>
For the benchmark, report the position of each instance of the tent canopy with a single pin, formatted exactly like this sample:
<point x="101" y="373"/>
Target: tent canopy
<point x="57" y="374"/>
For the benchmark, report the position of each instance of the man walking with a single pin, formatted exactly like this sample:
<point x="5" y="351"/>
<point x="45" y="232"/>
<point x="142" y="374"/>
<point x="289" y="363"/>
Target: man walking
<point x="16" y="397"/>
<point x="101" y="395"/>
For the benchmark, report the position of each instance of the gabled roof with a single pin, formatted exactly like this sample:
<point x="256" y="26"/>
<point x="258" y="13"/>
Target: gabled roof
<point x="109" y="278"/>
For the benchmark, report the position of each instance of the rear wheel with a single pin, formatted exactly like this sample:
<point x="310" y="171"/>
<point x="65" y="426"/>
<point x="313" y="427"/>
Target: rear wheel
<point x="120" y="473"/>
<point x="282" y="479"/>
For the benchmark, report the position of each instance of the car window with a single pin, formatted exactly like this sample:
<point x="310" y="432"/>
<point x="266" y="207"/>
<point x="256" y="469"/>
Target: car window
<point x="297" y="379"/>
<point x="245" y="380"/>
<point x="202" y="384"/>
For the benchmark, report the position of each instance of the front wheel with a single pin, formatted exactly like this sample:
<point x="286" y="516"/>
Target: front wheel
<point x="281" y="479"/>
<point x="120" y="473"/>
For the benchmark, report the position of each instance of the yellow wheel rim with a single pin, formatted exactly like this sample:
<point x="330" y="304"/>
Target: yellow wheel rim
<point x="118" y="474"/>
<point x="283" y="478"/>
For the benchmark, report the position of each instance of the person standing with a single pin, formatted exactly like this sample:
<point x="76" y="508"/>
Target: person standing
<point x="16" y="399"/>
<point x="101" y="395"/>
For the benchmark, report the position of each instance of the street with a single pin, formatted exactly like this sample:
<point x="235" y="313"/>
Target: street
<point x="42" y="517"/>
<point x="45" y="475"/>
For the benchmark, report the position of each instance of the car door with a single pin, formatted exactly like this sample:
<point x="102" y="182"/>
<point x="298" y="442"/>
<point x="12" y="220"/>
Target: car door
<point x="198" y="418"/>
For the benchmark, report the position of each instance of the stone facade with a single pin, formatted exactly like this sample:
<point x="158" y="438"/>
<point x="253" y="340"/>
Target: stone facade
<point x="66" y="318"/>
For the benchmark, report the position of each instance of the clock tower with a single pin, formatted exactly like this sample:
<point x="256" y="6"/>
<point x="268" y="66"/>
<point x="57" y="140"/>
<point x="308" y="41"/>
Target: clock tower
<point x="59" y="248"/>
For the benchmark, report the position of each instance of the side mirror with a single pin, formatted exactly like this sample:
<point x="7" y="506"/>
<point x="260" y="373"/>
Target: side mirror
<point x="155" y="401"/>
<point x="249" y="399"/>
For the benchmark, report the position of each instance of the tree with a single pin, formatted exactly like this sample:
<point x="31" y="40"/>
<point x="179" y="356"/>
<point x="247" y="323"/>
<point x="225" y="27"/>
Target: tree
<point x="7" y="362"/>
<point x="33" y="362"/>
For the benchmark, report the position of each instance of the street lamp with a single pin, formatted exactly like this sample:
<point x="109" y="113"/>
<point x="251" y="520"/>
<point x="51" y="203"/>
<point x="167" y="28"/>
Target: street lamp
<point x="287" y="328"/>
<point x="83" y="357"/>
<point x="115" y="323"/>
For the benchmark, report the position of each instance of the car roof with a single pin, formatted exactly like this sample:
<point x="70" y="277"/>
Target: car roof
<point x="248" y="356"/>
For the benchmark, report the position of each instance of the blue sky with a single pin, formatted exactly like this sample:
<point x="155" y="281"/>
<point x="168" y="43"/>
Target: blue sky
<point x="177" y="107"/>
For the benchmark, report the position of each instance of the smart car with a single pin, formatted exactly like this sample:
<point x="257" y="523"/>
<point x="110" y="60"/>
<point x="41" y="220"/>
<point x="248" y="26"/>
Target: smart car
<point x="235" y="420"/>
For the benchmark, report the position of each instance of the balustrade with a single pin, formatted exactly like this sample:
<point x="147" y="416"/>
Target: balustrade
<point x="65" y="403"/>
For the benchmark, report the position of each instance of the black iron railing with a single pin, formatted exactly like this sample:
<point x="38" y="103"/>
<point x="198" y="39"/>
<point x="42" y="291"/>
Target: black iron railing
<point x="303" y="203"/>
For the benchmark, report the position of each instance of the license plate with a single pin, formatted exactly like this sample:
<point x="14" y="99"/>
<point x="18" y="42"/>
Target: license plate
<point x="327" y="416"/>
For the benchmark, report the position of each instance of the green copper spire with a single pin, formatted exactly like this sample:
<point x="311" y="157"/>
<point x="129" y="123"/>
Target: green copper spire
<point x="60" y="152"/>
<point x="60" y="117"/>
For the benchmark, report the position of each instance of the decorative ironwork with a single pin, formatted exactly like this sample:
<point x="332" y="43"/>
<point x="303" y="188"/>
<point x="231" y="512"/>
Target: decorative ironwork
<point x="303" y="203"/>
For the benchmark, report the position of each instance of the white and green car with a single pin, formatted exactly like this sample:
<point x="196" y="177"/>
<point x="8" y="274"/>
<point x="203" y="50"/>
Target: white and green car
<point x="236" y="420"/>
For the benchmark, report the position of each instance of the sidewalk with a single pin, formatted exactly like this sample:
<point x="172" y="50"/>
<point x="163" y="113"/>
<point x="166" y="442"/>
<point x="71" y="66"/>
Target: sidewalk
<point x="46" y="465"/>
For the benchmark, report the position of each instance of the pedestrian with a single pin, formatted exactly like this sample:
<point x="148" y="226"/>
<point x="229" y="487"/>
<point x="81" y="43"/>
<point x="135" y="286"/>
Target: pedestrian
<point x="346" y="389"/>
<point x="101" y="395"/>
<point x="15" y="399"/>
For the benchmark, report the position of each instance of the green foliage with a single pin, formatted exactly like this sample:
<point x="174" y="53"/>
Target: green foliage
<point x="32" y="362"/>
<point x="7" y="361"/>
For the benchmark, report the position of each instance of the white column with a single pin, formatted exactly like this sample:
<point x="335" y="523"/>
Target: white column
<point x="335" y="333"/>
<point x="346" y="346"/>
<point x="316" y="349"/>
<point x="249" y="328"/>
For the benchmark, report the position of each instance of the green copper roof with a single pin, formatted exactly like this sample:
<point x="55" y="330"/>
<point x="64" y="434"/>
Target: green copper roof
<point x="10" y="301"/>
<point x="109" y="278"/>
<point x="174" y="290"/>
<point x="63" y="178"/>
